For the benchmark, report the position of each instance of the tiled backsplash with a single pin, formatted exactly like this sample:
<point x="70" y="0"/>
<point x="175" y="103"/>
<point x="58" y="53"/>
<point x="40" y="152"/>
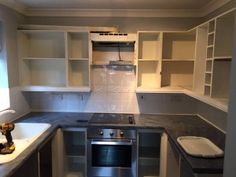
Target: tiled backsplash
<point x="113" y="90"/>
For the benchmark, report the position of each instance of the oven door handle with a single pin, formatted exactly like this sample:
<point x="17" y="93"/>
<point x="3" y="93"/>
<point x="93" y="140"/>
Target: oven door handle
<point x="129" y="143"/>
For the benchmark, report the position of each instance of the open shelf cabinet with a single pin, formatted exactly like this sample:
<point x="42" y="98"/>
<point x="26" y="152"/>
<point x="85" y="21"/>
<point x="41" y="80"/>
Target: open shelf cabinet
<point x="78" y="45"/>
<point x="149" y="153"/>
<point x="178" y="59"/>
<point x="40" y="72"/>
<point x="54" y="60"/>
<point x="75" y="152"/>
<point x="148" y="75"/>
<point x="149" y="45"/>
<point x="149" y="60"/>
<point x="41" y="44"/>
<point x="213" y="59"/>
<point x="224" y="35"/>
<point x="179" y="45"/>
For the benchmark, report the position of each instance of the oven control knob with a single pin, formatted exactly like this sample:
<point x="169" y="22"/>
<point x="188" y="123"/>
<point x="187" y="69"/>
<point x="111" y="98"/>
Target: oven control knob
<point x="121" y="133"/>
<point x="101" y="133"/>
<point x="111" y="133"/>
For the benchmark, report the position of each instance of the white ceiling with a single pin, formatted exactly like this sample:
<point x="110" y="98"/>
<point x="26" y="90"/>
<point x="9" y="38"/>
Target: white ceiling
<point x="116" y="4"/>
<point x="116" y="8"/>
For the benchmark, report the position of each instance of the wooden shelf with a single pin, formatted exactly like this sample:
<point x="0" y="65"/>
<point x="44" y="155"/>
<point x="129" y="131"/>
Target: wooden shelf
<point x="55" y="61"/>
<point x="78" y="44"/>
<point x="180" y="60"/>
<point x="149" y="45"/>
<point x="211" y="33"/>
<point x="149" y="74"/>
<point x="210" y="46"/>
<point x="223" y="58"/>
<point x="79" y="59"/>
<point x="178" y="45"/>
<point x="143" y="60"/>
<point x="40" y="58"/>
<point x="54" y="89"/>
<point x="41" y="44"/>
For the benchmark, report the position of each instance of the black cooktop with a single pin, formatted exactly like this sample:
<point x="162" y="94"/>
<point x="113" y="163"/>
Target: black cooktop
<point x="110" y="118"/>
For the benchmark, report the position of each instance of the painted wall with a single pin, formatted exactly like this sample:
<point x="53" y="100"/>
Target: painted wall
<point x="9" y="23"/>
<point x="110" y="101"/>
<point x="230" y="156"/>
<point x="124" y="24"/>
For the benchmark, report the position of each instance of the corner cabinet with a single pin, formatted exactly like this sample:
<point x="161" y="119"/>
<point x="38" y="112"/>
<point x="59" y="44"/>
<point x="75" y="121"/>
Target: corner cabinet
<point x="214" y="55"/>
<point x="53" y="60"/>
<point x="165" y="59"/>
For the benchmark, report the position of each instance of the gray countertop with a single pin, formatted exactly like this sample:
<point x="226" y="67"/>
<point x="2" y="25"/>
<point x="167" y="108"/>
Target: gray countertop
<point x="173" y="125"/>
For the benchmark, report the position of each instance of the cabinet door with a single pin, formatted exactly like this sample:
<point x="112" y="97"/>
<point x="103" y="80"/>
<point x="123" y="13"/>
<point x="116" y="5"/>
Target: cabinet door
<point x="75" y="152"/>
<point x="29" y="168"/>
<point x="45" y="160"/>
<point x="172" y="159"/>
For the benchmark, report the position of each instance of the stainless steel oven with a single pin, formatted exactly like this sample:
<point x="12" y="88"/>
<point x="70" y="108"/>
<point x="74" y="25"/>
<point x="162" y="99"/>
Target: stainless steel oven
<point x="112" y="153"/>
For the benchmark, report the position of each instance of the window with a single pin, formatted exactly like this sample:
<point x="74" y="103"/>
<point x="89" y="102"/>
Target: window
<point x="4" y="90"/>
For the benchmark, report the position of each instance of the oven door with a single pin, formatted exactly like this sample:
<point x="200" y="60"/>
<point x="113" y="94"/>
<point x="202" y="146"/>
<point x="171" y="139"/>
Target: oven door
<point x="112" y="158"/>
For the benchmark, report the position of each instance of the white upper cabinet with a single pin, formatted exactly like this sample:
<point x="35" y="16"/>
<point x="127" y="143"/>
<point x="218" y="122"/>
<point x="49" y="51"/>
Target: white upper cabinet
<point x="52" y="60"/>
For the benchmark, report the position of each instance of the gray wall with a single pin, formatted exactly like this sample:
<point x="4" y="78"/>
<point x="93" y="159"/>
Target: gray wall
<point x="10" y="20"/>
<point x="124" y="24"/>
<point x="230" y="156"/>
<point x="226" y="7"/>
<point x="9" y="23"/>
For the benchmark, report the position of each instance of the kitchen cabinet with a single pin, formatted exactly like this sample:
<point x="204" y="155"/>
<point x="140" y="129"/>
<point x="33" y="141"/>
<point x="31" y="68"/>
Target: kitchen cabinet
<point x="75" y="155"/>
<point x="213" y="57"/>
<point x="78" y="59"/>
<point x="178" y="59"/>
<point x="149" y="60"/>
<point x="29" y="167"/>
<point x="39" y="164"/>
<point x="52" y="60"/>
<point x="165" y="59"/>
<point x="149" y="142"/>
<point x="45" y="159"/>
<point x="176" y="166"/>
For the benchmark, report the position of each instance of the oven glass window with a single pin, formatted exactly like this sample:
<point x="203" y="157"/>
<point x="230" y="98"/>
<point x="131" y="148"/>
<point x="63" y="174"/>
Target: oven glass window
<point x="111" y="155"/>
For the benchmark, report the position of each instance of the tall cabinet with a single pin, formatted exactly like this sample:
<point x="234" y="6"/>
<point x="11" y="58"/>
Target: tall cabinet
<point x="214" y="55"/>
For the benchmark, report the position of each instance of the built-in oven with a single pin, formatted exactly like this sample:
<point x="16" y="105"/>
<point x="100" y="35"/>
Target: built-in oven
<point x="111" y="153"/>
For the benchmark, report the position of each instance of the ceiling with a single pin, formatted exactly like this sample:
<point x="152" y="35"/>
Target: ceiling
<point x="142" y="8"/>
<point x="116" y="4"/>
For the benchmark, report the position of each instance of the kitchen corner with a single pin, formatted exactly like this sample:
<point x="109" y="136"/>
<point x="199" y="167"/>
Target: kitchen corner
<point x="173" y="125"/>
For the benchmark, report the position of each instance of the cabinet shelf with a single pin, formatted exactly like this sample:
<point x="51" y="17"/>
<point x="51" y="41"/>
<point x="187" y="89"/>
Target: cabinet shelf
<point x="143" y="60"/>
<point x="211" y="33"/>
<point x="40" y="58"/>
<point x="79" y="59"/>
<point x="41" y="44"/>
<point x="149" y="74"/>
<point x="223" y="58"/>
<point x="178" y="60"/>
<point x="179" y="45"/>
<point x="78" y="73"/>
<point x="54" y="61"/>
<point x="54" y="89"/>
<point x="210" y="46"/>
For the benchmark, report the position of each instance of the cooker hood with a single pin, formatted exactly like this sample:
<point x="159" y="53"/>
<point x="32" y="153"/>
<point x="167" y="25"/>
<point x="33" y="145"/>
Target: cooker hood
<point x="113" y="37"/>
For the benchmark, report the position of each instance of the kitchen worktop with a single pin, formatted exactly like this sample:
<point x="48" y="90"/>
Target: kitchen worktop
<point x="173" y="125"/>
